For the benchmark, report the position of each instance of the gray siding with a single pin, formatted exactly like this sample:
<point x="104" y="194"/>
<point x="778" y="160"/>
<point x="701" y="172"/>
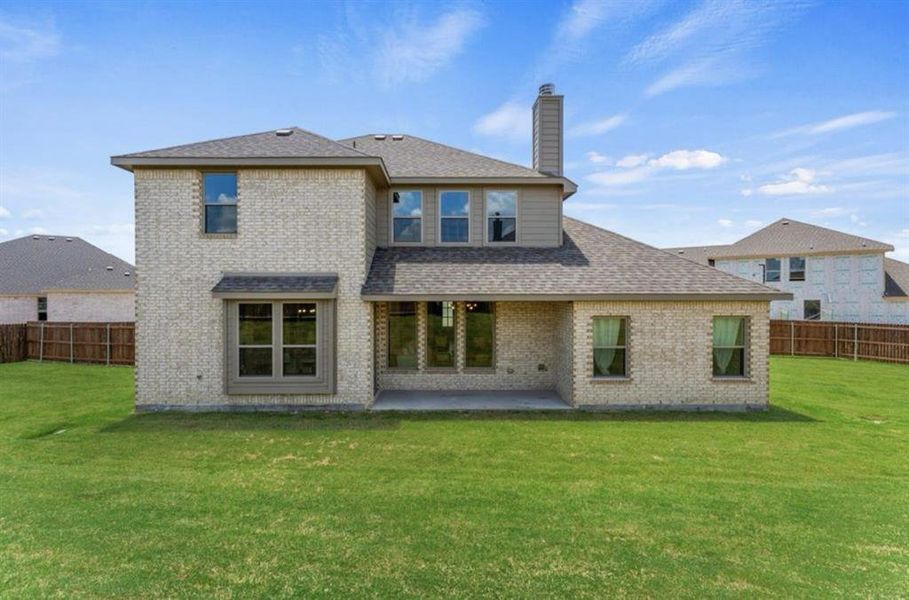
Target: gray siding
<point x="547" y="134"/>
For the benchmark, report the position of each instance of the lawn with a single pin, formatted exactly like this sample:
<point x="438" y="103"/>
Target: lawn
<point x="809" y="499"/>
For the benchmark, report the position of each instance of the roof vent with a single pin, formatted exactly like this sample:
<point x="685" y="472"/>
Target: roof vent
<point x="547" y="89"/>
<point x="681" y="252"/>
<point x="126" y="273"/>
<point x="109" y="268"/>
<point x="284" y="132"/>
<point x="380" y="136"/>
<point x="397" y="138"/>
<point x="785" y="222"/>
<point x="864" y="245"/>
<point x="36" y="237"/>
<point x="69" y="239"/>
<point x="51" y="238"/>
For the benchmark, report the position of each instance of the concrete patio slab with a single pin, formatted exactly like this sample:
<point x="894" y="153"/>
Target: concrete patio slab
<point x="424" y="400"/>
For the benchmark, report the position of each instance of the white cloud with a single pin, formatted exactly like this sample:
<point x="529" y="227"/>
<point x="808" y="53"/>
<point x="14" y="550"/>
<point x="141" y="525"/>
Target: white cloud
<point x="414" y="51"/>
<point x="19" y="44"/>
<point x="4" y="213"/>
<point x="632" y="160"/>
<point x="597" y="127"/>
<point x="707" y="72"/>
<point x="597" y="158"/>
<point x="856" y="220"/>
<point x="33" y="213"/>
<point x="830" y="211"/>
<point x="635" y="169"/>
<point x="903" y="233"/>
<point x="4" y="232"/>
<point x="511" y="120"/>
<point x="747" y="192"/>
<point x="800" y="181"/>
<point x="682" y="160"/>
<point x="724" y="223"/>
<point x="839" y="123"/>
<point x="38" y="231"/>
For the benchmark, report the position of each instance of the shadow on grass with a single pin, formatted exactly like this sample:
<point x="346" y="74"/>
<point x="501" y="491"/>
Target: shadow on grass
<point x="163" y="422"/>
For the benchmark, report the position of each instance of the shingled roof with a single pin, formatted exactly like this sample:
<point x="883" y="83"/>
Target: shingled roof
<point x="896" y="279"/>
<point x="785" y="237"/>
<point x="411" y="156"/>
<point x="592" y="263"/>
<point x="34" y="264"/>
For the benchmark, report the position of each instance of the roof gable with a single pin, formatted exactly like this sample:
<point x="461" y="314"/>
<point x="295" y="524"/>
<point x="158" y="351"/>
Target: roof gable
<point x="30" y="265"/>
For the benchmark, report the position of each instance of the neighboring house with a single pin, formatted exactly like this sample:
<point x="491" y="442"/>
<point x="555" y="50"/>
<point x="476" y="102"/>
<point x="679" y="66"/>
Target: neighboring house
<point x="63" y="278"/>
<point x="286" y="270"/>
<point x="833" y="276"/>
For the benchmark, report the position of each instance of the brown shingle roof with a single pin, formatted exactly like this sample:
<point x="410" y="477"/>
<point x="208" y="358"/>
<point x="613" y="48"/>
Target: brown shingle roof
<point x="896" y="278"/>
<point x="411" y="156"/>
<point x="698" y="254"/>
<point x="592" y="263"/>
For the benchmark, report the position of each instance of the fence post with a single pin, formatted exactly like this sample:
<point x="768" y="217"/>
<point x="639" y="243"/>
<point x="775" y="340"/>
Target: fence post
<point x="791" y="338"/>
<point x="41" y="345"/>
<point x="108" y="344"/>
<point x="855" y="342"/>
<point x="70" y="342"/>
<point x="836" y="340"/>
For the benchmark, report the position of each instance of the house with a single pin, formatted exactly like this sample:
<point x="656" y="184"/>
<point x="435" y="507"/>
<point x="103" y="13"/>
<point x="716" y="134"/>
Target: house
<point x="63" y="278"/>
<point x="832" y="275"/>
<point x="285" y="270"/>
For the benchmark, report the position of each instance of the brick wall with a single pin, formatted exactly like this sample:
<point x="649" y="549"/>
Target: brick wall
<point x="289" y="220"/>
<point x="91" y="307"/>
<point x="670" y="359"/>
<point x="525" y="333"/>
<point x="18" y="309"/>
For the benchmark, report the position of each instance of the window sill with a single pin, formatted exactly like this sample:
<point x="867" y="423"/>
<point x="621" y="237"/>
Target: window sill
<point x="479" y="370"/>
<point x="611" y="380"/>
<point x="733" y="379"/>
<point x="441" y="370"/>
<point x="218" y="236"/>
<point x="400" y="371"/>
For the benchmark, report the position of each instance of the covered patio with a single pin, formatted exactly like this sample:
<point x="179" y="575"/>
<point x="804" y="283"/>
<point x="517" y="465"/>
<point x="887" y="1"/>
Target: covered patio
<point x="441" y="400"/>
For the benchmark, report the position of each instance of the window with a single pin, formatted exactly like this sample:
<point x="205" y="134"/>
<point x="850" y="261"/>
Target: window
<point x="42" y="309"/>
<point x="219" y="191"/>
<point x="501" y="216"/>
<point x="440" y="334"/>
<point x="407" y="217"/>
<point x="479" y="332"/>
<point x="772" y="270"/>
<point x="255" y="341"/>
<point x="729" y="346"/>
<point x="454" y="217"/>
<point x="402" y="335"/>
<point x="711" y="262"/>
<point x="812" y="310"/>
<point x="280" y="347"/>
<point x="796" y="268"/>
<point x="609" y="347"/>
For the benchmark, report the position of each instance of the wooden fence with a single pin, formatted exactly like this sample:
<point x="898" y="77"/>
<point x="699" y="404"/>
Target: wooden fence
<point x="103" y="343"/>
<point x="888" y="343"/>
<point x="13" y="346"/>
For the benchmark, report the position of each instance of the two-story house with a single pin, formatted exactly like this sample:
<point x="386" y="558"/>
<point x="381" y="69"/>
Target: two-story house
<point x="286" y="270"/>
<point x="833" y="276"/>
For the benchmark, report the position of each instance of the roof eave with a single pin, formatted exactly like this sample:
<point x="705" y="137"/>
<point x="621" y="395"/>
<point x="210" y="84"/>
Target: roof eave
<point x="568" y="186"/>
<point x="581" y="297"/>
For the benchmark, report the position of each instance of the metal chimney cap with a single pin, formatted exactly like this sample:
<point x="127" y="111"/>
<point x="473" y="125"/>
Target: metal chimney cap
<point x="547" y="89"/>
<point x="284" y="132"/>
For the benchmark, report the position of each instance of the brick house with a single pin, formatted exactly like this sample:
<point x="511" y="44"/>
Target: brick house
<point x="63" y="278"/>
<point x="832" y="276"/>
<point x="284" y="270"/>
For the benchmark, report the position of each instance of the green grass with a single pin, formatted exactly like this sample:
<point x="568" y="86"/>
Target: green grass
<point x="808" y="499"/>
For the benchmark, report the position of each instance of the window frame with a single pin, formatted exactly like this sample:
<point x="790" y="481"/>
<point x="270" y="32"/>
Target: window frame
<point x="416" y="337"/>
<point x="593" y="348"/>
<point x="778" y="270"/>
<point x="440" y="217"/>
<point x="392" y="217"/>
<point x="323" y="382"/>
<point x="805" y="309"/>
<point x="803" y="270"/>
<point x="205" y="205"/>
<point x="746" y="345"/>
<point x="494" y="358"/>
<point x="39" y="310"/>
<point x="517" y="213"/>
<point x="455" y="323"/>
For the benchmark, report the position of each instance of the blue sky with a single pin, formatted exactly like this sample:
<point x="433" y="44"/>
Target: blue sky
<point x="686" y="123"/>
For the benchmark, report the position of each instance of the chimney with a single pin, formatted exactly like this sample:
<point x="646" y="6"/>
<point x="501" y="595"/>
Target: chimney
<point x="547" y="131"/>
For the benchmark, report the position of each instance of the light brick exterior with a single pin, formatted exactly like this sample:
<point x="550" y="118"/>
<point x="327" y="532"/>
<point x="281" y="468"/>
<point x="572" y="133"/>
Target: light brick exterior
<point x="91" y="306"/>
<point x="670" y="360"/>
<point x="289" y="220"/>
<point x="18" y="309"/>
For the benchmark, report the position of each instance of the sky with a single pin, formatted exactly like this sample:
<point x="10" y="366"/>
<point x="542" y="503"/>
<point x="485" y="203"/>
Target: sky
<point x="686" y="123"/>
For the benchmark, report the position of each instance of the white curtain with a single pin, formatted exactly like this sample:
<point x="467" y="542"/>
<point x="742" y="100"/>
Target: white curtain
<point x="725" y="335"/>
<point x="605" y="333"/>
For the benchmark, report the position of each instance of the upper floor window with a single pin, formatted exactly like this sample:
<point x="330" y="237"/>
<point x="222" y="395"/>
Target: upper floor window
<point x="772" y="269"/>
<point x="454" y="217"/>
<point x="407" y="216"/>
<point x="502" y="216"/>
<point x="796" y="268"/>
<point x="729" y="357"/>
<point x="42" y="309"/>
<point x="219" y="192"/>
